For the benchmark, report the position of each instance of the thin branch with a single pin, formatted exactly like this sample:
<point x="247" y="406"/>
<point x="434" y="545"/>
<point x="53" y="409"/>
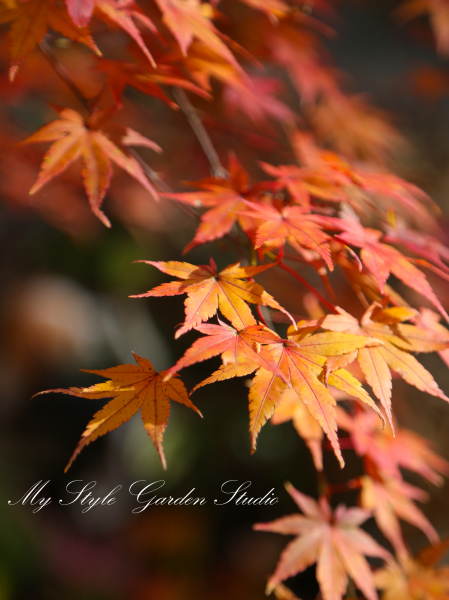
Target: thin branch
<point x="200" y="132"/>
<point x="160" y="183"/>
<point x="64" y="75"/>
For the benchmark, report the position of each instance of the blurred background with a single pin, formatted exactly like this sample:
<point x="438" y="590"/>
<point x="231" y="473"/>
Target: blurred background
<point x="65" y="307"/>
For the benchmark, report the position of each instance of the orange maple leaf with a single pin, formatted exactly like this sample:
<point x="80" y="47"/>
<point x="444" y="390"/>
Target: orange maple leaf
<point x="355" y="128"/>
<point x="300" y="53"/>
<point x="333" y="540"/>
<point x="256" y="98"/>
<point x="190" y="19"/>
<point x="416" y="579"/>
<point x="292" y="224"/>
<point x="31" y="21"/>
<point x="430" y="322"/>
<point x="301" y="369"/>
<point x="302" y="360"/>
<point x="131" y="387"/>
<point x="207" y="291"/>
<point x="235" y="347"/>
<point x="123" y="13"/>
<point x="75" y="138"/>
<point x="319" y="181"/>
<point x="146" y="79"/>
<point x="393" y="353"/>
<point x="363" y="188"/>
<point x="227" y="197"/>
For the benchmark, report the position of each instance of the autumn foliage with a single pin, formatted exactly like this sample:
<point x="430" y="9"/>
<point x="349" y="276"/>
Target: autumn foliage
<point x="305" y="197"/>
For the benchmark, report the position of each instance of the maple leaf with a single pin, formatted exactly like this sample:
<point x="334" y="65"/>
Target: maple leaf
<point x="354" y="128"/>
<point x="333" y="540"/>
<point x="30" y="23"/>
<point x="190" y="19"/>
<point x="424" y="245"/>
<point x="282" y="592"/>
<point x="430" y="322"/>
<point x="364" y="187"/>
<point x="235" y="347"/>
<point x="203" y="63"/>
<point x="146" y="79"/>
<point x="80" y="11"/>
<point x="255" y="98"/>
<point x="300" y="53"/>
<point x="308" y="428"/>
<point x="75" y="138"/>
<point x="226" y="196"/>
<point x="319" y="181"/>
<point x="415" y="579"/>
<point x="390" y="500"/>
<point x="207" y="291"/>
<point x="281" y="365"/>
<point x="389" y="453"/>
<point x="376" y="362"/>
<point x="382" y="259"/>
<point x="294" y="224"/>
<point x="131" y="387"/>
<point x="302" y="362"/>
<point x="122" y="13"/>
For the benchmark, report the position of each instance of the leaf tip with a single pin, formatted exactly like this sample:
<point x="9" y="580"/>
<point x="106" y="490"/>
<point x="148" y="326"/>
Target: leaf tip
<point x="13" y="72"/>
<point x="269" y="588"/>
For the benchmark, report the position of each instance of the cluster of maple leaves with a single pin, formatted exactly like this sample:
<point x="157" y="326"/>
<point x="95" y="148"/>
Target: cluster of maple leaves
<point x="330" y="206"/>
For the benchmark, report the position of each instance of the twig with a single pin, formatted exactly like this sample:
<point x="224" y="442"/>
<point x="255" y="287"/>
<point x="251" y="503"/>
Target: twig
<point x="200" y="132"/>
<point x="64" y="75"/>
<point x="155" y="178"/>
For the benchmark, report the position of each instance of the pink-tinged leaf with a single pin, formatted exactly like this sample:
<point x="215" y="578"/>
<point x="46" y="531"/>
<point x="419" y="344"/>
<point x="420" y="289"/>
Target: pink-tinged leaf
<point x="80" y="11"/>
<point x="234" y="346"/>
<point x="405" y="450"/>
<point x="391" y="500"/>
<point x="122" y="13"/>
<point x="333" y="540"/>
<point x="134" y="138"/>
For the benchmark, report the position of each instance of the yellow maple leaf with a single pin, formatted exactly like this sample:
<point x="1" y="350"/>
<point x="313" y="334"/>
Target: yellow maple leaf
<point x="131" y="387"/>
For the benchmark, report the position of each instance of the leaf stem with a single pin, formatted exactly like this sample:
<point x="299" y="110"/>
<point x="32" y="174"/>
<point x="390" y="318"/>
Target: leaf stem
<point x="200" y="132"/>
<point x="285" y="267"/>
<point x="260" y="314"/>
